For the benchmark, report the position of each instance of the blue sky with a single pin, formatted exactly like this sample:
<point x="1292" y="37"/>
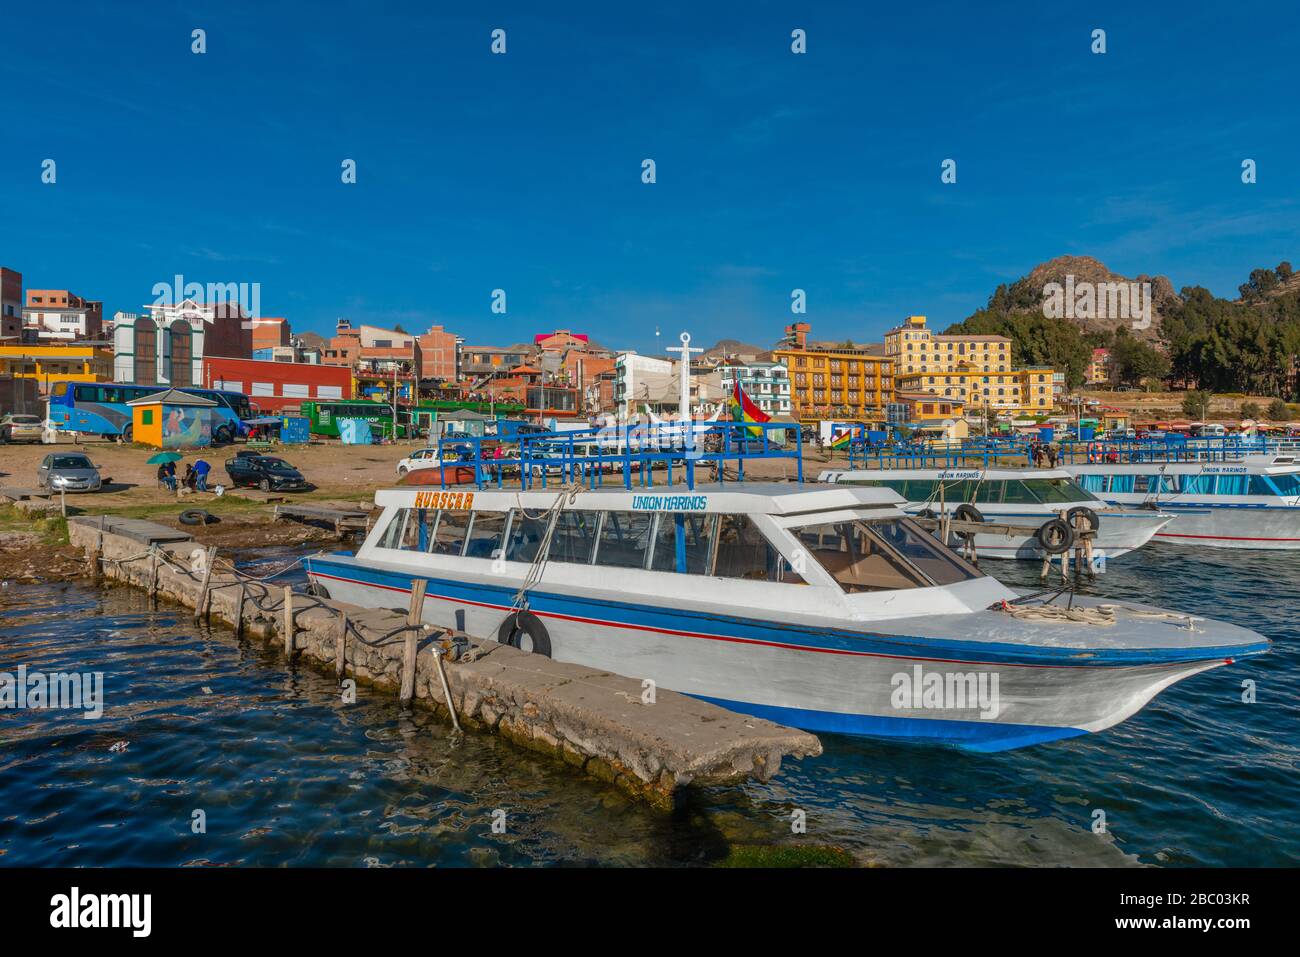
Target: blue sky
<point x="522" y="171"/>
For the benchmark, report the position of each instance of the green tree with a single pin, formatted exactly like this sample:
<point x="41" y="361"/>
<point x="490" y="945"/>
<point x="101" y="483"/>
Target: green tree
<point x="1250" y="410"/>
<point x="1135" y="361"/>
<point x="1196" y="404"/>
<point x="1278" y="411"/>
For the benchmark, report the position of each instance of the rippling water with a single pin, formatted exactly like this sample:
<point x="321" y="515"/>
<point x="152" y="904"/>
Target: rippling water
<point x="287" y="775"/>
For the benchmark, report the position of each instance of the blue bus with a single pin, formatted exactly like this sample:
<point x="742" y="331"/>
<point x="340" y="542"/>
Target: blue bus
<point x="100" y="408"/>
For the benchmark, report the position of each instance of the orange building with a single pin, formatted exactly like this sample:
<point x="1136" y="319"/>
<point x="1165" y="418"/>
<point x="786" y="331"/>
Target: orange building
<point x="441" y="354"/>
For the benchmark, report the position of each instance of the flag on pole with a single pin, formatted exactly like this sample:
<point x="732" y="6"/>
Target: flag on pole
<point x="743" y="409"/>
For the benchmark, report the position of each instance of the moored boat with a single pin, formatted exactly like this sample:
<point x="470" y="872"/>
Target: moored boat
<point x="822" y="607"/>
<point x="1251" y="503"/>
<point x="1015" y="496"/>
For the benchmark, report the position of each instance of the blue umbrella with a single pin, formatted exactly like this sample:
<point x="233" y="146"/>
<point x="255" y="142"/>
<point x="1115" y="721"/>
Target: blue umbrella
<point x="161" y="457"/>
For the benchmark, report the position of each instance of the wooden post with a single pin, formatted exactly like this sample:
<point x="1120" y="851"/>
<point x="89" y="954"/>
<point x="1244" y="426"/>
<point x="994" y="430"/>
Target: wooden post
<point x="63" y="501"/>
<point x="288" y="621"/>
<point x="413" y="619"/>
<point x="209" y="561"/>
<point x="340" y="650"/>
<point x="153" y="572"/>
<point x="239" y="612"/>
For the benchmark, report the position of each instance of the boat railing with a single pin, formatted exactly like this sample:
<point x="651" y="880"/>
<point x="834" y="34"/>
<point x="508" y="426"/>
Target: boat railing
<point x="993" y="452"/>
<point x="633" y="454"/>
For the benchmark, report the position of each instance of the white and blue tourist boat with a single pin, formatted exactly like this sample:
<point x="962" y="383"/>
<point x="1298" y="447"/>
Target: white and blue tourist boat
<point x="821" y="607"/>
<point x="1253" y="503"/>
<point x="1014" y="496"/>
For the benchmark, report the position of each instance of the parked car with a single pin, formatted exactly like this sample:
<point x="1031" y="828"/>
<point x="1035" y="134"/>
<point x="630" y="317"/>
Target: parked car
<point x="419" y="459"/>
<point x="68" y="472"/>
<point x="264" y="471"/>
<point x="16" y="427"/>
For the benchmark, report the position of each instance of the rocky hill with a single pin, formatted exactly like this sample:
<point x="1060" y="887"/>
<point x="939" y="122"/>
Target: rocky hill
<point x="1084" y="290"/>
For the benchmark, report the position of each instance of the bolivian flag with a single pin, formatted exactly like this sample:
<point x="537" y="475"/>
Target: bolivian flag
<point x="744" y="410"/>
<point x="842" y="439"/>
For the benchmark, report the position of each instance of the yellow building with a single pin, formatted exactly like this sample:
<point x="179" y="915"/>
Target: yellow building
<point x="833" y="382"/>
<point x="973" y="368"/>
<point x="55" y="363"/>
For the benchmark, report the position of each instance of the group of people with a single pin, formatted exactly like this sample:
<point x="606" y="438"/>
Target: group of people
<point x="1043" y="453"/>
<point x="196" y="475"/>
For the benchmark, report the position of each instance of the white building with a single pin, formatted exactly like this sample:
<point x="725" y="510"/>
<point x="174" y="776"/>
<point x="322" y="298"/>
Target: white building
<point x="766" y="383"/>
<point x="640" y="380"/>
<point x="167" y="346"/>
<point x="59" y="314"/>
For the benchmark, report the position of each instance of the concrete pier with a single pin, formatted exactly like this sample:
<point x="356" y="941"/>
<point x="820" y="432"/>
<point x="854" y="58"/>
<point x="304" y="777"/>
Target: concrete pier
<point x="594" y="720"/>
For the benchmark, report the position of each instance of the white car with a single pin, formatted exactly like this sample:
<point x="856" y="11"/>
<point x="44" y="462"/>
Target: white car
<point x="419" y="459"/>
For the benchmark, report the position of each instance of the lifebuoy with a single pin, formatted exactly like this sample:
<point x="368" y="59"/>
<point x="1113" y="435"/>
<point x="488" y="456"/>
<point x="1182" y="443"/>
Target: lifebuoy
<point x="525" y="631"/>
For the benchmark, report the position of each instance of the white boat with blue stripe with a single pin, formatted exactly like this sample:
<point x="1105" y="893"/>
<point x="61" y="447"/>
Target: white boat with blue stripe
<point x="1014" y="496"/>
<point x="824" y="607"/>
<point x="1251" y="503"/>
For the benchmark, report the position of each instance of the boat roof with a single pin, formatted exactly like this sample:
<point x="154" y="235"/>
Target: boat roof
<point x="1001" y="473"/>
<point x="768" y="498"/>
<point x="1252" y="465"/>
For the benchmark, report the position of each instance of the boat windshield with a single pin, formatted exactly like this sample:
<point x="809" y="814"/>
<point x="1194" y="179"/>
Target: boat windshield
<point x="882" y="555"/>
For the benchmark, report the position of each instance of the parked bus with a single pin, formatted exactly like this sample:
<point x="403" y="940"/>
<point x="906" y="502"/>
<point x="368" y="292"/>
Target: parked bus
<point x="324" y="416"/>
<point x="100" y="408"/>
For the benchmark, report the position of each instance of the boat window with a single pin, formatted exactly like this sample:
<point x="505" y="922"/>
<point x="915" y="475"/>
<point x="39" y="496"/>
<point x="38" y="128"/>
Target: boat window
<point x="885" y="555"/>
<point x="526" y="532"/>
<point x="989" y="493"/>
<point x="1287" y="484"/>
<point x="744" y="552"/>
<point x="1055" y="491"/>
<point x="624" y="539"/>
<point x="913" y="490"/>
<point x="1089" y="483"/>
<point x="392" y="537"/>
<point x="1233" y="485"/>
<point x="1199" y="484"/>
<point x="683" y="543"/>
<point x="449" y="538"/>
<point x="486" y="533"/>
<point x="573" y="538"/>
<point x="1018" y="494"/>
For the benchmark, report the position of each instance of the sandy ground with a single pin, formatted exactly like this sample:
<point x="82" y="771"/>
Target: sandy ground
<point x="343" y="476"/>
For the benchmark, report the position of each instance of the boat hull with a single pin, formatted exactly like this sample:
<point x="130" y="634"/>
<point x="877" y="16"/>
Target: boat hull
<point x="866" y="682"/>
<point x="1221" y="525"/>
<point x="1118" y="533"/>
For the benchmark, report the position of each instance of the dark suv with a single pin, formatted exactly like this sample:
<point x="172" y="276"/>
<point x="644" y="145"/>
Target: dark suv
<point x="266" y="472"/>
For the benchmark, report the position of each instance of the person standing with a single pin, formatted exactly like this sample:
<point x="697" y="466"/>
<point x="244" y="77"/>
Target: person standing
<point x="201" y="469"/>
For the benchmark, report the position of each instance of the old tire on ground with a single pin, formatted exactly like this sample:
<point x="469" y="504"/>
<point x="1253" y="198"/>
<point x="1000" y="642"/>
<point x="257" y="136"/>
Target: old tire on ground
<point x="1054" y="536"/>
<point x="197" y="516"/>
<point x="525" y="631"/>
<point x="1094" y="522"/>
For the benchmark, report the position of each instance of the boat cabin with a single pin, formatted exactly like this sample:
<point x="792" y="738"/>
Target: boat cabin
<point x="852" y="540"/>
<point x="1050" y="487"/>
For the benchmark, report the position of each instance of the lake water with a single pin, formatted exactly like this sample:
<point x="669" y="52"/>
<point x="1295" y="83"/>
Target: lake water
<point x="287" y="775"/>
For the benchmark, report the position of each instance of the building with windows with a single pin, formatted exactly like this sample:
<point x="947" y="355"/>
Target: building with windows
<point x="60" y="314"/>
<point x="275" y="386"/>
<point x="835" y="381"/>
<point x="440" y="350"/>
<point x="766" y="383"/>
<point x="55" y="361"/>
<point x="976" y="369"/>
<point x="269" y="333"/>
<point x="1099" y="368"/>
<point x="167" y="346"/>
<point x="11" y="303"/>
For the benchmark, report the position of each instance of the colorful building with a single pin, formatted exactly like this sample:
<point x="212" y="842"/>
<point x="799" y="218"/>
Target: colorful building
<point x="11" y="303"/>
<point x="830" y="381"/>
<point x="976" y="369"/>
<point x="172" y="420"/>
<point x="275" y="386"/>
<point x="767" y="384"/>
<point x="50" y="362"/>
<point x="1099" y="368"/>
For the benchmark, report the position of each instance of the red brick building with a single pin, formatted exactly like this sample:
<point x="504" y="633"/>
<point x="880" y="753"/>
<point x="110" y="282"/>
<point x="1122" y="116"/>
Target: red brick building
<point x="439" y="355"/>
<point x="275" y="386"/>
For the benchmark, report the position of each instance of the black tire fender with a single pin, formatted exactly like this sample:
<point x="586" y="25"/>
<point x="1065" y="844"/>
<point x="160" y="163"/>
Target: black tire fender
<point x="966" y="512"/>
<point x="1054" y="536"/>
<point x="520" y="623"/>
<point x="1094" y="522"/>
